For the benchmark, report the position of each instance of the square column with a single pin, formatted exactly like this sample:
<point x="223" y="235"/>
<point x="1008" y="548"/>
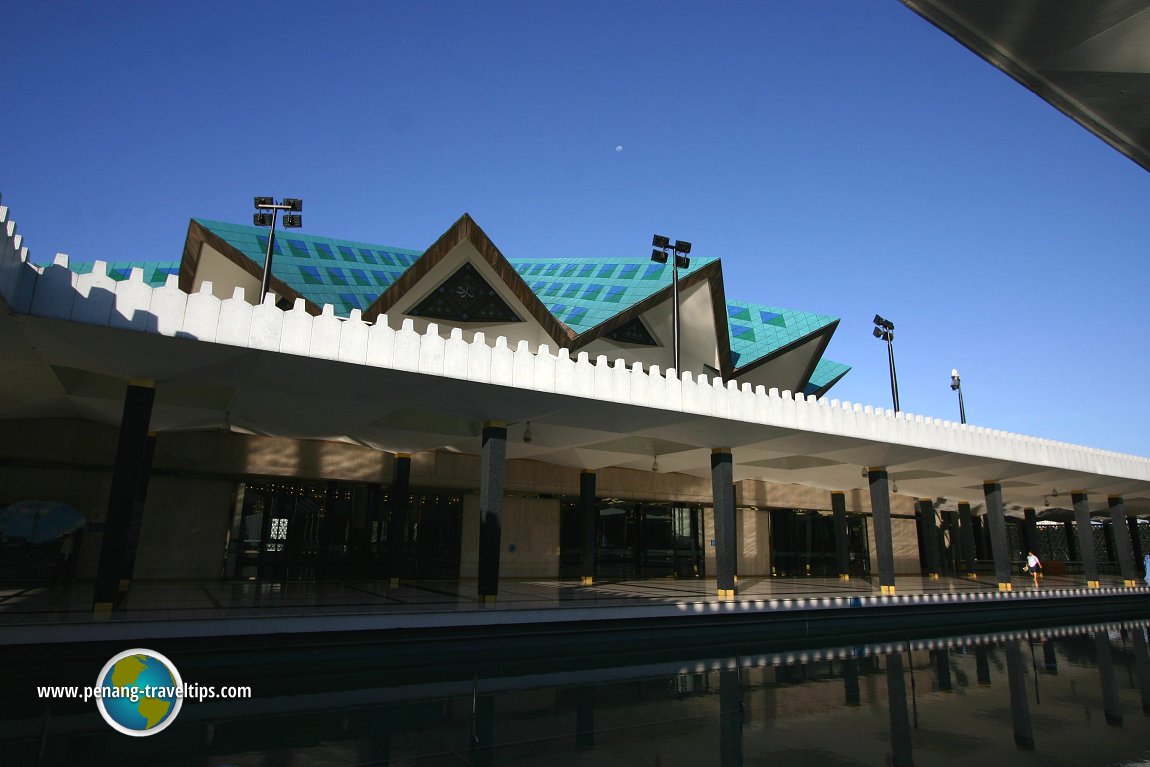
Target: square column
<point x="589" y="519"/>
<point x="880" y="512"/>
<point x="129" y="479"/>
<point x="996" y="520"/>
<point x="966" y="535"/>
<point x="1030" y="531"/>
<point x="1085" y="538"/>
<point x="399" y="500"/>
<point x="493" y="469"/>
<point x="723" y="492"/>
<point x="1121" y="530"/>
<point x="930" y="537"/>
<point x="842" y="541"/>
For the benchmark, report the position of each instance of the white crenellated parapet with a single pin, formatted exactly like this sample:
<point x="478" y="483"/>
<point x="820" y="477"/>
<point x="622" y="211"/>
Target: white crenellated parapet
<point x="95" y="298"/>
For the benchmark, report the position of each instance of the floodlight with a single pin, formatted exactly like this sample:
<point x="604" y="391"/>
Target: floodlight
<point x="262" y="219"/>
<point x="659" y="256"/>
<point x="659" y="241"/>
<point x="682" y="262"/>
<point x="878" y="320"/>
<point x="294" y="204"/>
<point x="263" y="202"/>
<point x="877" y="333"/>
<point x="682" y="247"/>
<point x="292" y="221"/>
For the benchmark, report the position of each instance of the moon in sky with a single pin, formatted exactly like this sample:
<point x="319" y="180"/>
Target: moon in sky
<point x="619" y="148"/>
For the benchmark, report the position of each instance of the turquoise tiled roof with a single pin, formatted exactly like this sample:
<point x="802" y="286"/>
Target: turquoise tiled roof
<point x="155" y="272"/>
<point x="581" y="292"/>
<point x="826" y="373"/>
<point x="584" y="292"/>
<point x="757" y="330"/>
<point x="346" y="274"/>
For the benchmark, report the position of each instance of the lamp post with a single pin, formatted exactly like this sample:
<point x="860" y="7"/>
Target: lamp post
<point x="292" y="207"/>
<point x="884" y="330"/>
<point x="679" y="261"/>
<point x="956" y="385"/>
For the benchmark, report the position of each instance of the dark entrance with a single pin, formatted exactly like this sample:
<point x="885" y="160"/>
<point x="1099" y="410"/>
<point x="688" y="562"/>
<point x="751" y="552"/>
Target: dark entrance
<point x="803" y="543"/>
<point x="292" y="530"/>
<point x="636" y="540"/>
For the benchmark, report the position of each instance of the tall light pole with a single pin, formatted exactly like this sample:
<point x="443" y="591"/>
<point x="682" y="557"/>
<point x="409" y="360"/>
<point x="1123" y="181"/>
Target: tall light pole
<point x="679" y="261"/>
<point x="884" y="329"/>
<point x="292" y="207"/>
<point x="956" y="385"/>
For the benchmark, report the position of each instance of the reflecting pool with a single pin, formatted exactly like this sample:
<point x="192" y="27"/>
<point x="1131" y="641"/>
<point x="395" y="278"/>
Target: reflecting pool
<point x="1070" y="695"/>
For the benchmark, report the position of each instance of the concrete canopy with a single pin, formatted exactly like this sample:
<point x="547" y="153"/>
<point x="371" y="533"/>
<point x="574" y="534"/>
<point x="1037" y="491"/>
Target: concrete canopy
<point x="1087" y="58"/>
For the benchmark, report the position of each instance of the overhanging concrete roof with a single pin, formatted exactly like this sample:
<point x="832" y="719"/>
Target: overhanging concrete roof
<point x="1088" y="58"/>
<point x="69" y="343"/>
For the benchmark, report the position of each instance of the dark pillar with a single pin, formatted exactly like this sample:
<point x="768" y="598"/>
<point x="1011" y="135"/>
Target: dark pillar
<point x="585" y="719"/>
<point x="884" y="544"/>
<point x="722" y="472"/>
<point x="399" y="497"/>
<point x="589" y="518"/>
<point x="730" y="718"/>
<point x="902" y="753"/>
<point x="492" y="469"/>
<point x="128" y="477"/>
<point x="1121" y="532"/>
<point x="951" y="556"/>
<point x="1141" y="663"/>
<point x="1030" y="532"/>
<point x="930" y="537"/>
<point x="969" y="551"/>
<point x="129" y="563"/>
<point x="996" y="519"/>
<point x="982" y="665"/>
<point x="1085" y="538"/>
<point x="1111" y="705"/>
<point x="941" y="661"/>
<point x="1019" y="703"/>
<point x="483" y="728"/>
<point x="842" y="540"/>
<point x="851" y="682"/>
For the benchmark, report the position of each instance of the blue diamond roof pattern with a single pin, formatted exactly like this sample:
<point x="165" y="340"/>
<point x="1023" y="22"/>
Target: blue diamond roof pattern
<point x="758" y="330"/>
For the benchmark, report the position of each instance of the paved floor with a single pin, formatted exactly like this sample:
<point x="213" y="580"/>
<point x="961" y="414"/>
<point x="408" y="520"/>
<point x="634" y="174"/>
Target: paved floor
<point x="224" y="600"/>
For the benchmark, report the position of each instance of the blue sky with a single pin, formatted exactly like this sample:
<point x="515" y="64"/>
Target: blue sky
<point x="841" y="158"/>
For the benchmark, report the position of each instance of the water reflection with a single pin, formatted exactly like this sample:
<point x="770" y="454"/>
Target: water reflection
<point x="1058" y="695"/>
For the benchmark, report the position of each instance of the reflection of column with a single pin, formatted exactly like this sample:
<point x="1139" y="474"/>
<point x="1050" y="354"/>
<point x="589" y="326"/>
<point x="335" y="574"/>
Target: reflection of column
<point x="941" y="661"/>
<point x="996" y="519"/>
<point x="1085" y="538"/>
<point x="902" y="752"/>
<point x="969" y="555"/>
<point x="1142" y="664"/>
<point x="1019" y="703"/>
<point x="1049" y="659"/>
<point x="1121" y="532"/>
<point x="1111" y="705"/>
<point x="982" y="665"/>
<point x="493" y="466"/>
<point x="585" y="719"/>
<point x="929" y="537"/>
<point x="589" y="518"/>
<point x="723" y="492"/>
<point x="730" y="718"/>
<point x="842" y="540"/>
<point x="483" y="728"/>
<point x="128" y="479"/>
<point x="851" y="682"/>
<point x="399" y="497"/>
<point x="880" y="512"/>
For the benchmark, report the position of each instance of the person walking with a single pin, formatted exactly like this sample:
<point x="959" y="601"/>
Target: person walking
<point x="1033" y="566"/>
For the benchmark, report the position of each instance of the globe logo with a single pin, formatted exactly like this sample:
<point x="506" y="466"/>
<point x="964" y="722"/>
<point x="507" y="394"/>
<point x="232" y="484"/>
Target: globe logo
<point x="140" y="692"/>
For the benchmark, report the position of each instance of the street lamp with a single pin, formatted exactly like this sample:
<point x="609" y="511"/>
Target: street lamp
<point x="956" y="385"/>
<point x="291" y="207"/>
<point x="679" y="261"/>
<point x="884" y="329"/>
